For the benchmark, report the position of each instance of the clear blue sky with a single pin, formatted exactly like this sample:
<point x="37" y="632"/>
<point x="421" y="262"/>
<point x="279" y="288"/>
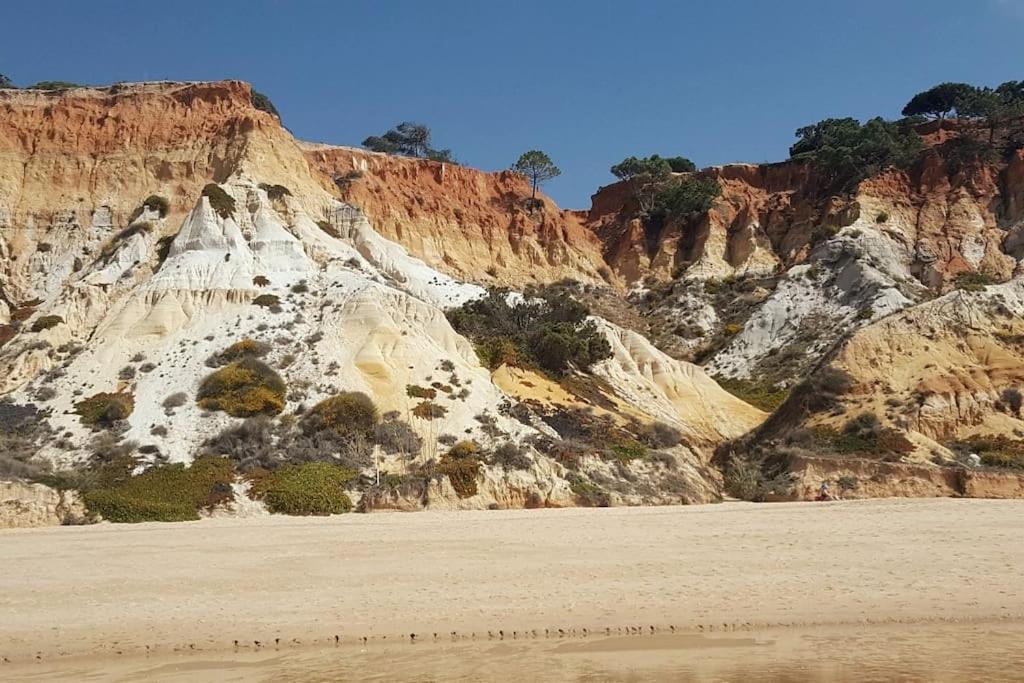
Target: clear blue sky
<point x="588" y="82"/>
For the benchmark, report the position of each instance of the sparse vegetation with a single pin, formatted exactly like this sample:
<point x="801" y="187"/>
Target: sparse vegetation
<point x="973" y="281"/>
<point x="763" y="396"/>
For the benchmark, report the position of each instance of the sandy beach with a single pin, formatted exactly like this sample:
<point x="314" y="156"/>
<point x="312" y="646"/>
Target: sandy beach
<point x="85" y="596"/>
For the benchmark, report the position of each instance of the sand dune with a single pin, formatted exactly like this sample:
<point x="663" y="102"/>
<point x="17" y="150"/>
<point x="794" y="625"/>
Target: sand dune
<point x="96" y="591"/>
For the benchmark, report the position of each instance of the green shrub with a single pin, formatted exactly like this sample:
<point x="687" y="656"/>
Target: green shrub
<point x="104" y="409"/>
<point x="749" y="478"/>
<point x="312" y="488"/>
<point x="763" y="396"/>
<point x="548" y="330"/>
<point x="220" y="201"/>
<point x="53" y="85"/>
<point x="588" y="494"/>
<point x="275" y="192"/>
<point x="267" y="300"/>
<point x="348" y="413"/>
<point x="163" y="247"/>
<point x="866" y="313"/>
<point x="461" y="465"/>
<point x="246" y="348"/>
<point x="164" y="493"/>
<point x="882" y="217"/>
<point x="428" y="410"/>
<point x="263" y="103"/>
<point x="244" y="388"/>
<point x="846" y="151"/>
<point x="973" y="282"/>
<point x="396" y="437"/>
<point x="45" y="322"/>
<point x="625" y="451"/>
<point x="155" y="202"/>
<point x="690" y="196"/>
<point x="996" y="451"/>
<point x="413" y="391"/>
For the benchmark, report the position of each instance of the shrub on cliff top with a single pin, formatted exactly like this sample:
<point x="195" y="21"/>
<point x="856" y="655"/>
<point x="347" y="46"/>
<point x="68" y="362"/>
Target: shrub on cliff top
<point x="164" y="493"/>
<point x="220" y="201"/>
<point x="53" y="85"/>
<point x="244" y="388"/>
<point x="104" y="409"/>
<point x="263" y="103"/>
<point x="312" y="488"/>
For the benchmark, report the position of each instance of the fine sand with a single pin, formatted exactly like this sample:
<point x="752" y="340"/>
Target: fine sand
<point x="112" y="592"/>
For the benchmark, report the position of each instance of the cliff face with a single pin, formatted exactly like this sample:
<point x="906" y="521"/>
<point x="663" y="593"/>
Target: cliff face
<point x="466" y="222"/>
<point x="769" y="217"/>
<point x="103" y="296"/>
<point x="75" y="163"/>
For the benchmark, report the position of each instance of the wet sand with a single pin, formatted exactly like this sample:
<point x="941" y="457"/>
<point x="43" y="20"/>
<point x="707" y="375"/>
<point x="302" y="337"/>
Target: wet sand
<point x="146" y="600"/>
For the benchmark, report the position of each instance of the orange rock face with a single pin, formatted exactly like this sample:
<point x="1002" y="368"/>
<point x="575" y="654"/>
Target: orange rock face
<point x="473" y="224"/>
<point x="68" y="154"/>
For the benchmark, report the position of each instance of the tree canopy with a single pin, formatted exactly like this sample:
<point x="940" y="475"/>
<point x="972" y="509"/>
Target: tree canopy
<point x="939" y="100"/>
<point x="5" y="82"/>
<point x="408" y="139"/>
<point x="848" y="151"/>
<point x="538" y="167"/>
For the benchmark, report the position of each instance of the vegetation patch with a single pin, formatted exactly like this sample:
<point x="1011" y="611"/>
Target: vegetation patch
<point x="246" y="348"/>
<point x="104" y="409"/>
<point x="996" y="451"/>
<point x="760" y="395"/>
<point x="164" y="493"/>
<point x="45" y="322"/>
<point x="461" y="464"/>
<point x="312" y="488"/>
<point x="220" y="201"/>
<point x="263" y="103"/>
<point x="244" y="388"/>
<point x="973" y="282"/>
<point x="546" y="331"/>
<point x="348" y="413"/>
<point x="275" y="192"/>
<point x="413" y="391"/>
<point x="428" y="410"/>
<point x="267" y="300"/>
<point x="155" y="202"/>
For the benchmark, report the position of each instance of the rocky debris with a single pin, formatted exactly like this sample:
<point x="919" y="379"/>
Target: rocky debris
<point x="28" y="505"/>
